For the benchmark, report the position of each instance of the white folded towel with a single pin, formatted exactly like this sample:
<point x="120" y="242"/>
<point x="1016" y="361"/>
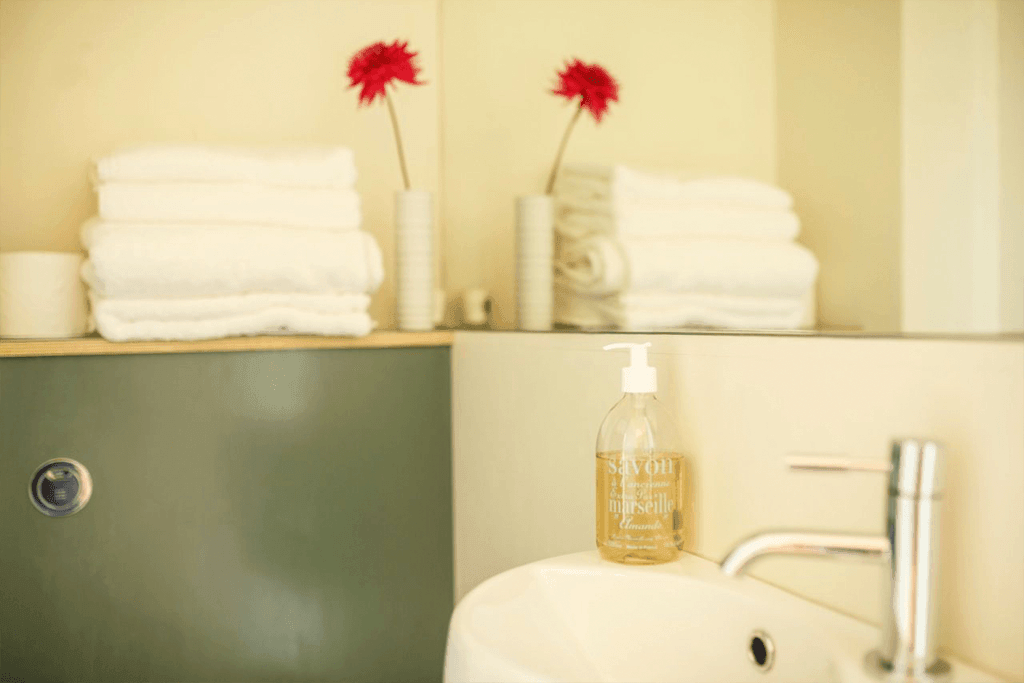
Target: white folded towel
<point x="623" y="185"/>
<point x="136" y="260"/>
<point x="300" y="207"/>
<point x="661" y="310"/>
<point x="288" y="167"/>
<point x="213" y="307"/>
<point x="577" y="218"/>
<point x="226" y="316"/>
<point x="602" y="265"/>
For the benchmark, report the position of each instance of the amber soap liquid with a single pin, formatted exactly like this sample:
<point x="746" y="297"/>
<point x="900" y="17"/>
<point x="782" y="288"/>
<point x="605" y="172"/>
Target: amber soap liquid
<point x="640" y="507"/>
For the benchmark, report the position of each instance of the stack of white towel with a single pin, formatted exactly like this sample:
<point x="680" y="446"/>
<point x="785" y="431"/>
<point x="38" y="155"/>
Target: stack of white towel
<point x="643" y="252"/>
<point x="198" y="243"/>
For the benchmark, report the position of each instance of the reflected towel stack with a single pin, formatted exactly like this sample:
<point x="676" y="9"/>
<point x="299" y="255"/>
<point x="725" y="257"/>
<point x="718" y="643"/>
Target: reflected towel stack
<point x="643" y="252"/>
<point x="199" y="243"/>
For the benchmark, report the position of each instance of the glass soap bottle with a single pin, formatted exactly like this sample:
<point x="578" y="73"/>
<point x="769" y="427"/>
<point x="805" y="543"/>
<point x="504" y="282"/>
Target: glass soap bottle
<point x="641" y="476"/>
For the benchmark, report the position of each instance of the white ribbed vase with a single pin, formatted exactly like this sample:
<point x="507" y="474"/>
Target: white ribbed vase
<point x="414" y="259"/>
<point x="535" y="250"/>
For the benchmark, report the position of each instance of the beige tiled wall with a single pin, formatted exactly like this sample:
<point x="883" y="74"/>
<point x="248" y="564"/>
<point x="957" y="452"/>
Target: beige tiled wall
<point x="527" y="408"/>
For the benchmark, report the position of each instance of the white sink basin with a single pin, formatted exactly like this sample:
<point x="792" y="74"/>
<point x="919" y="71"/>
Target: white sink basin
<point x="580" y="618"/>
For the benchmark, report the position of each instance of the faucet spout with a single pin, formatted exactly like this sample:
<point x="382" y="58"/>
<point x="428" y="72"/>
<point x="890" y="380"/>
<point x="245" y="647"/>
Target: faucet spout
<point x="799" y="543"/>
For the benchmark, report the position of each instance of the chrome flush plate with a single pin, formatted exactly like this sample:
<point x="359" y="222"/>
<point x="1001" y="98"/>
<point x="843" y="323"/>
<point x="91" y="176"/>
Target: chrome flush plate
<point x="60" y="487"/>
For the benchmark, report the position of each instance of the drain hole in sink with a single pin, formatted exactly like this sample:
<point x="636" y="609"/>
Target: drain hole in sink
<point x="761" y="650"/>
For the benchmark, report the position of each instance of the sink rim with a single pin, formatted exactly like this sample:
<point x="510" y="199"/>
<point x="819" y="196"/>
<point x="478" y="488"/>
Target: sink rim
<point x="846" y="638"/>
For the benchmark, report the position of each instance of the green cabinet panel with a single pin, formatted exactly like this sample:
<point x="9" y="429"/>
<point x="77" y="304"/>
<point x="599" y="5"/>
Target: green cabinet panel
<point x="256" y="516"/>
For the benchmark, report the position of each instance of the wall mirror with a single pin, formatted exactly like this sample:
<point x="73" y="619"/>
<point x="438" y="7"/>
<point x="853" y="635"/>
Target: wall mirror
<point x="895" y="125"/>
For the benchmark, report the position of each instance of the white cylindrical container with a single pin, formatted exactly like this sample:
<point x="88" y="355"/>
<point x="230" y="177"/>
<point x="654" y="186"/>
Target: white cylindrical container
<point x="535" y="248"/>
<point x="42" y="295"/>
<point x="414" y="258"/>
<point x="440" y="306"/>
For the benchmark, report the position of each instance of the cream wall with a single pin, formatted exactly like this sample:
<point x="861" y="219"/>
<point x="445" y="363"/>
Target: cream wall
<point x="526" y="410"/>
<point x="838" y="85"/>
<point x="950" y="209"/>
<point x="79" y="78"/>
<point x="1011" y="163"/>
<point x="963" y="212"/>
<point x="697" y="91"/>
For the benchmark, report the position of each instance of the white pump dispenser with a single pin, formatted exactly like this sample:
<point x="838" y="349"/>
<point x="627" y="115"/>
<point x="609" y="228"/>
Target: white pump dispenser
<point x="638" y="377"/>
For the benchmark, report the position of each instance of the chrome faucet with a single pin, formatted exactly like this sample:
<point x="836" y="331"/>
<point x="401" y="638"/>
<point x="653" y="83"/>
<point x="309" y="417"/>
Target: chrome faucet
<point x="909" y="547"/>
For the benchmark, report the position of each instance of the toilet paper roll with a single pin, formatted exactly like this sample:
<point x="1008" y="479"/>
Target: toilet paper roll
<point x="42" y="295"/>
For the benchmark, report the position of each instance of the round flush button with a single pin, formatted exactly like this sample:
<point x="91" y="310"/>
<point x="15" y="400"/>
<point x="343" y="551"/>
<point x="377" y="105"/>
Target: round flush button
<point x="60" y="487"/>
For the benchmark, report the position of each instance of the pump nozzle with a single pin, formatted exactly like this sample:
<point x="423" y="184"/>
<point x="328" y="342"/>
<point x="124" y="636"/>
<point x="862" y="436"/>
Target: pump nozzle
<point x="638" y="378"/>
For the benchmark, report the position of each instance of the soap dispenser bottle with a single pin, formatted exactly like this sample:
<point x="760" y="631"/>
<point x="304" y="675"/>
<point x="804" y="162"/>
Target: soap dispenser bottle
<point x="641" y="478"/>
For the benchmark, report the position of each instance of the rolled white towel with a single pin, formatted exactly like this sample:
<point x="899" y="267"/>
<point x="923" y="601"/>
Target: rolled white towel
<point x="227" y="316"/>
<point x="130" y="260"/>
<point x="603" y="265"/>
<point x="662" y="310"/>
<point x="284" y="166"/>
<point x="625" y="185"/>
<point x="298" y="207"/>
<point x="577" y="218"/>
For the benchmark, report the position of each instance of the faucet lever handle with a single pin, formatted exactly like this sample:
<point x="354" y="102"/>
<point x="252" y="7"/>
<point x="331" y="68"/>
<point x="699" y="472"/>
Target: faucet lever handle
<point x="835" y="463"/>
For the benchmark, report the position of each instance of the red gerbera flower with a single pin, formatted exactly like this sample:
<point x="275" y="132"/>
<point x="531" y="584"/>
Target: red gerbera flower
<point x="377" y="65"/>
<point x="595" y="87"/>
<point x="591" y="83"/>
<point x="374" y="68"/>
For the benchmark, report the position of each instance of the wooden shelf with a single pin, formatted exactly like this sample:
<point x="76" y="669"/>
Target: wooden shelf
<point x="97" y="346"/>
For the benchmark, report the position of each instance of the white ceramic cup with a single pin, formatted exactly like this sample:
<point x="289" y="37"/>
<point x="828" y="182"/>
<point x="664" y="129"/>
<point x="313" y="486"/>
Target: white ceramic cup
<point x="475" y="303"/>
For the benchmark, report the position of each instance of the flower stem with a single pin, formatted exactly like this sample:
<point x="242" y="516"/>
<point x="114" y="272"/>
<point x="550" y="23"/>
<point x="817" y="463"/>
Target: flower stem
<point x="398" y="139"/>
<point x="561" y="150"/>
